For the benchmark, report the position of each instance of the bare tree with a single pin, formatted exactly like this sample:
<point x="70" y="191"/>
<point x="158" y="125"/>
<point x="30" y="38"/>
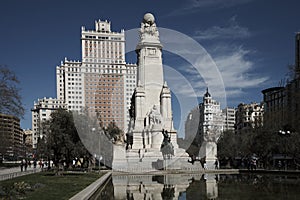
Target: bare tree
<point x="10" y="98"/>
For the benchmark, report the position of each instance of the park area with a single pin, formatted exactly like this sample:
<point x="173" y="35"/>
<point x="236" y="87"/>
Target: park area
<point x="47" y="185"/>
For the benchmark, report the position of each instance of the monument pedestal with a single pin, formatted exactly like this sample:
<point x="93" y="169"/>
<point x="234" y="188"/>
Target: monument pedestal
<point x="208" y="151"/>
<point x="119" y="161"/>
<point x="150" y="113"/>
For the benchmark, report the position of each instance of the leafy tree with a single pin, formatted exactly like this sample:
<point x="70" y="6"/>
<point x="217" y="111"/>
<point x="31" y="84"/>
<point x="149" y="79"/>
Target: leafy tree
<point x="113" y="131"/>
<point x="10" y="98"/>
<point x="62" y="139"/>
<point x="293" y="147"/>
<point x="229" y="146"/>
<point x="261" y="142"/>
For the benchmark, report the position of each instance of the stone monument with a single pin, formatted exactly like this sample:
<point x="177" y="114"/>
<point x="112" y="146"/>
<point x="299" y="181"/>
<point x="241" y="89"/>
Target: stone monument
<point x="208" y="149"/>
<point x="151" y="112"/>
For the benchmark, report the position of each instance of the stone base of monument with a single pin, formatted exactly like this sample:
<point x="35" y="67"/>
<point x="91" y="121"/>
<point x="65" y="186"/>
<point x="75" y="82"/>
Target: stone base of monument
<point x="147" y="160"/>
<point x="208" y="151"/>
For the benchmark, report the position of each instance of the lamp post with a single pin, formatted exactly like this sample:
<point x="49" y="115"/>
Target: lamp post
<point x="95" y="155"/>
<point x="99" y="156"/>
<point x="285" y="133"/>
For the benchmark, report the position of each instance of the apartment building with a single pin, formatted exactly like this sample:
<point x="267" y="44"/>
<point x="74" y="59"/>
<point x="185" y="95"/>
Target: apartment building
<point x="207" y="116"/>
<point x="229" y="118"/>
<point x="41" y="112"/>
<point x="249" y="116"/>
<point x="11" y="134"/>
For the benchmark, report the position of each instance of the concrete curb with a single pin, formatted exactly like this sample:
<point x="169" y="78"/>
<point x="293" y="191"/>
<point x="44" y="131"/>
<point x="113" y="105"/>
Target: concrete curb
<point x="267" y="171"/>
<point x="17" y="174"/>
<point x="162" y="172"/>
<point x="91" y="189"/>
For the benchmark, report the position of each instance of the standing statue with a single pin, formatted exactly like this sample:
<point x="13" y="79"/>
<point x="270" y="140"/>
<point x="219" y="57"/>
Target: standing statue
<point x="210" y="136"/>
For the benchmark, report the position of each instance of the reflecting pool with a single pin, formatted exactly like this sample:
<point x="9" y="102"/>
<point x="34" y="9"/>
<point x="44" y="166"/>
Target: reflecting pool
<point x="201" y="186"/>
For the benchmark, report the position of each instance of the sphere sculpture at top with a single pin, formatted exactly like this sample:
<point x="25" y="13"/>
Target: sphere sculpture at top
<point x="149" y="18"/>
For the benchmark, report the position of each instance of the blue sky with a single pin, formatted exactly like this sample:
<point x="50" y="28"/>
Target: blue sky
<point x="251" y="41"/>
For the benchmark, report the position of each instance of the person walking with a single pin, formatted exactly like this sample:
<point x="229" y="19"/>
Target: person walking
<point x="204" y="165"/>
<point x="21" y="165"/>
<point x="25" y="164"/>
<point x="216" y="164"/>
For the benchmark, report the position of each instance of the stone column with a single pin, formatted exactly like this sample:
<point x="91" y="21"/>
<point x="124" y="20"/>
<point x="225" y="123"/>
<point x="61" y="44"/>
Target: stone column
<point x="137" y="133"/>
<point x="157" y="137"/>
<point x="209" y="150"/>
<point x="166" y="108"/>
<point x="173" y="135"/>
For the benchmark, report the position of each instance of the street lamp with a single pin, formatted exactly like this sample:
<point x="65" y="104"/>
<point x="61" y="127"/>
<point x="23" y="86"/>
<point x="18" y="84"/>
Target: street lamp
<point x="99" y="150"/>
<point x="285" y="133"/>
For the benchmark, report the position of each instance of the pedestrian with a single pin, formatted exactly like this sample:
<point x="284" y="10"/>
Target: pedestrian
<point x="216" y="164"/>
<point x="279" y="165"/>
<point x="205" y="165"/>
<point x="21" y="165"/>
<point x="40" y="164"/>
<point x="26" y="164"/>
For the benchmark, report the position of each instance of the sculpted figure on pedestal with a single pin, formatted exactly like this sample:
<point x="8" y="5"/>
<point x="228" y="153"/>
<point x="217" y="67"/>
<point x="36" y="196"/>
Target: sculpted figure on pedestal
<point x="155" y="116"/>
<point x="148" y="26"/>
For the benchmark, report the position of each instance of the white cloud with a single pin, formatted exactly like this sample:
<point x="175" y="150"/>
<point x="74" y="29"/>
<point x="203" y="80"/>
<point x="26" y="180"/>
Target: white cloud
<point x="229" y="70"/>
<point x="232" y="30"/>
<point x="237" y="71"/>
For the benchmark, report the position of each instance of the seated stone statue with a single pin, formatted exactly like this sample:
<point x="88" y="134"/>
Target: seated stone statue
<point x="155" y="116"/>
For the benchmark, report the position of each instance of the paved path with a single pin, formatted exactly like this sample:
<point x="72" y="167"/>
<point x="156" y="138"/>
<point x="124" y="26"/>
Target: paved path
<point x="9" y="173"/>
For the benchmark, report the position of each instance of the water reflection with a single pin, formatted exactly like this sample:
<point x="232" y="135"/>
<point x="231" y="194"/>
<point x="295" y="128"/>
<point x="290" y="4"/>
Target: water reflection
<point x="201" y="186"/>
<point x="160" y="187"/>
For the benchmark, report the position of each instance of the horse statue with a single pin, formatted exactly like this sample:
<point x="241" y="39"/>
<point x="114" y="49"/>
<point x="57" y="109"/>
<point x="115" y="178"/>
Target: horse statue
<point x="166" y="147"/>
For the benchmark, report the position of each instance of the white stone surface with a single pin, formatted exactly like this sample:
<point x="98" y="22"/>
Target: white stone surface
<point x="152" y="111"/>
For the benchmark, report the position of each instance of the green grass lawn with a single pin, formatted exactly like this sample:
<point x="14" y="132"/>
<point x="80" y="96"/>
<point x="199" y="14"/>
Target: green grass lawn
<point x="46" y="185"/>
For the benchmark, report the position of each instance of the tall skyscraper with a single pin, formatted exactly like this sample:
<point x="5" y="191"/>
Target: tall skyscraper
<point x="70" y="84"/>
<point x="102" y="82"/>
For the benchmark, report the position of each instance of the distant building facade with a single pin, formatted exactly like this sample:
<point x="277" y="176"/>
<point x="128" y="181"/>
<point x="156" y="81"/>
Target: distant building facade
<point x="249" y="116"/>
<point x="282" y="104"/>
<point x="70" y="84"/>
<point x="207" y="116"/>
<point x="41" y="112"/>
<point x="293" y="105"/>
<point x="275" y="104"/>
<point x="211" y="118"/>
<point x="229" y="119"/>
<point x="28" y="141"/>
<point x="11" y="134"/>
